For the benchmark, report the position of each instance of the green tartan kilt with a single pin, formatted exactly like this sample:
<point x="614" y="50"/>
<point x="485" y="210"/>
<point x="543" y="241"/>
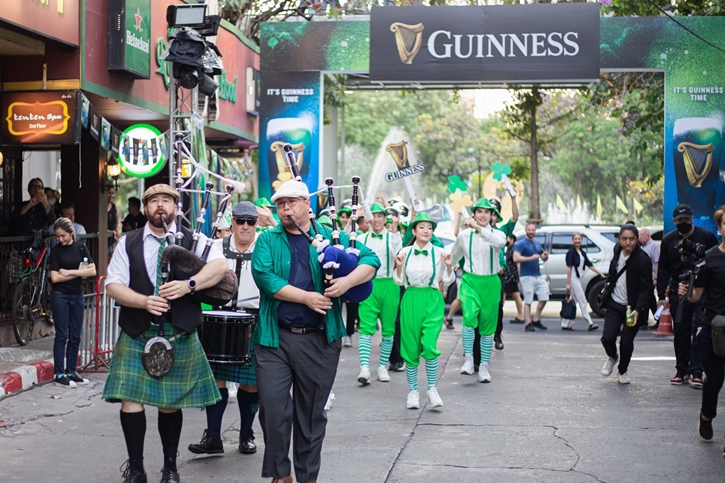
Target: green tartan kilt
<point x="236" y="373"/>
<point x="190" y="384"/>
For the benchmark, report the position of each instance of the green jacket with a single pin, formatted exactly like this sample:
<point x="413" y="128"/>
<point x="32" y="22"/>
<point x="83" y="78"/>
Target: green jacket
<point x="271" y="266"/>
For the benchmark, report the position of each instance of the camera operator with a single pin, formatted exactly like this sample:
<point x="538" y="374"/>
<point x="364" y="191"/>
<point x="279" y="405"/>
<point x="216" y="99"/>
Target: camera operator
<point x="711" y="282"/>
<point x="670" y="267"/>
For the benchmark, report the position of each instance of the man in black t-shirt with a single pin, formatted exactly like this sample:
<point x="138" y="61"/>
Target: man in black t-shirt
<point x="670" y="268"/>
<point x="34" y="214"/>
<point x="135" y="219"/>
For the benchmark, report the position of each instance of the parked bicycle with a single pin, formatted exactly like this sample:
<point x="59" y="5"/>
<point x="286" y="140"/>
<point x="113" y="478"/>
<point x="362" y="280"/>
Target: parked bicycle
<point x="31" y="300"/>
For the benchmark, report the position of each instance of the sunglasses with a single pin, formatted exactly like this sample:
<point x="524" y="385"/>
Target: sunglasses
<point x="242" y="221"/>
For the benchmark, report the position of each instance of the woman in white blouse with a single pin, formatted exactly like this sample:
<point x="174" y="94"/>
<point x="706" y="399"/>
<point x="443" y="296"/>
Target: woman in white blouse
<point x="421" y="267"/>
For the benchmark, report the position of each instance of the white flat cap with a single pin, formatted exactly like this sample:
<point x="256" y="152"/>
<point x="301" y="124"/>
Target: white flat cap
<point x="291" y="189"/>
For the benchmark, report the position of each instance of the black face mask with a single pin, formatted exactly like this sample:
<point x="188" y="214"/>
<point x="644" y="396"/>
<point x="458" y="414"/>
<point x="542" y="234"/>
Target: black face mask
<point x="684" y="228"/>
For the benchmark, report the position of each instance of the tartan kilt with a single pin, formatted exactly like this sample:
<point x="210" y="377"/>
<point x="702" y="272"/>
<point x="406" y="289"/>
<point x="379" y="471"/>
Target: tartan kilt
<point x="236" y="373"/>
<point x="190" y="384"/>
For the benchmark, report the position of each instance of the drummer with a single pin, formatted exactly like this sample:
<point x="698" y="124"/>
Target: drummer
<point x="237" y="249"/>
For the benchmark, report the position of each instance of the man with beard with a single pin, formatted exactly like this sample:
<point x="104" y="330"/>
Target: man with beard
<point x="669" y="269"/>
<point x="297" y="340"/>
<point x="134" y="280"/>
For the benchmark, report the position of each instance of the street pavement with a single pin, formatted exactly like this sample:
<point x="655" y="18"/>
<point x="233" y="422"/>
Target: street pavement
<point x="548" y="416"/>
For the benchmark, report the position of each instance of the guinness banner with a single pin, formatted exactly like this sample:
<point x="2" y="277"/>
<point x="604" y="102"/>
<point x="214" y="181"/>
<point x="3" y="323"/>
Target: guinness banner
<point x="508" y="43"/>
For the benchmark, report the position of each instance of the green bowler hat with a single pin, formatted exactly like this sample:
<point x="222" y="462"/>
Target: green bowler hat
<point x="422" y="216"/>
<point x="263" y="202"/>
<point x="345" y="209"/>
<point x="377" y="208"/>
<point x="484" y="204"/>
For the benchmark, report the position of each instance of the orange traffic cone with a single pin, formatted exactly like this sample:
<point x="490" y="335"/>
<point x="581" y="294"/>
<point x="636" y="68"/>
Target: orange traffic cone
<point x="665" y="327"/>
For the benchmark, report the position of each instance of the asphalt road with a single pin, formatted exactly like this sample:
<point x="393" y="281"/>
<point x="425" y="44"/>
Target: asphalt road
<point x="548" y="416"/>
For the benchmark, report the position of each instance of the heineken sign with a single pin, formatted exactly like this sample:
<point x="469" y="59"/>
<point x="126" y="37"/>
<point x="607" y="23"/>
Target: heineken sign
<point x="129" y="37"/>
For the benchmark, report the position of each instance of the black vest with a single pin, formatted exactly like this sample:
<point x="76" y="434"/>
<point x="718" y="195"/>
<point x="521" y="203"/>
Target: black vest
<point x="185" y="313"/>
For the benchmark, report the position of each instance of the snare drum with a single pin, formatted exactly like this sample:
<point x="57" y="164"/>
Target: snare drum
<point x="225" y="336"/>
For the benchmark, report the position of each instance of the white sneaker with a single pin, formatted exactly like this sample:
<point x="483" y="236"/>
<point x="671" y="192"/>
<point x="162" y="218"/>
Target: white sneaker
<point x="467" y="367"/>
<point x="483" y="375"/>
<point x="623" y="378"/>
<point x="413" y="401"/>
<point x="347" y="341"/>
<point x="609" y="366"/>
<point x="383" y="375"/>
<point x="434" y="399"/>
<point x="328" y="404"/>
<point x="364" y="376"/>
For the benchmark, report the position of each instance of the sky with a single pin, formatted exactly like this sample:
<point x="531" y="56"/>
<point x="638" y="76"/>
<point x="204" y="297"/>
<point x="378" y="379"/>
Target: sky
<point x="487" y="101"/>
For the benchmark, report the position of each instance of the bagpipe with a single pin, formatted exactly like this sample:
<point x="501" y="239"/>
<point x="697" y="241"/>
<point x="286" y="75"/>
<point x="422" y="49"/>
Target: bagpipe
<point x="336" y="260"/>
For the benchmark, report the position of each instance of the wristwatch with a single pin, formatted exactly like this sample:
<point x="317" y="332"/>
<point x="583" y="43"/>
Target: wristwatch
<point x="192" y="285"/>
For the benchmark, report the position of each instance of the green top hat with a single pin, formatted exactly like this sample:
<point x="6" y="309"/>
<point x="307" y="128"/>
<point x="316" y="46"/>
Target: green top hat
<point x="324" y="220"/>
<point x="344" y="209"/>
<point x="422" y="216"/>
<point x="263" y="202"/>
<point x="378" y="208"/>
<point x="484" y="204"/>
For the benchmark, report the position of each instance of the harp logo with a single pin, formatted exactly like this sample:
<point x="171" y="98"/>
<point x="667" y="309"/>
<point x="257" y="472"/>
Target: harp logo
<point x="408" y="39"/>
<point x="399" y="153"/>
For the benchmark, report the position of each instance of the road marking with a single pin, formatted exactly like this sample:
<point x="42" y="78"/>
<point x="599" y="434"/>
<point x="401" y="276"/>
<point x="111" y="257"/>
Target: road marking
<point x="656" y="358"/>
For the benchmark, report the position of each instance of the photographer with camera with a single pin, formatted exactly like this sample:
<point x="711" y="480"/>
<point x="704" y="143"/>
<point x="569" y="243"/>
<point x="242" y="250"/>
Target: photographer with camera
<point x="710" y="340"/>
<point x="678" y="253"/>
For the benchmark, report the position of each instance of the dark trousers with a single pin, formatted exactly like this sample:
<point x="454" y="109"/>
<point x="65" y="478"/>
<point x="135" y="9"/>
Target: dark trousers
<point x="68" y="317"/>
<point x="614" y="327"/>
<point x="307" y="364"/>
<point x="395" y="357"/>
<point x="714" y="368"/>
<point x="352" y="317"/>
<point x="686" y="350"/>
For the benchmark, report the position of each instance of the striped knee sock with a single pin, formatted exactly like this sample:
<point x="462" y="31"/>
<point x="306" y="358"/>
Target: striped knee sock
<point x="412" y="375"/>
<point x="486" y="347"/>
<point x="468" y="334"/>
<point x="386" y="346"/>
<point x="431" y="371"/>
<point x="364" y="344"/>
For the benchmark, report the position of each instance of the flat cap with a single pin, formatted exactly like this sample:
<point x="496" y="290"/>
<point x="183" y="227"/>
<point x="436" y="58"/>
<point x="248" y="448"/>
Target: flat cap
<point x="159" y="189"/>
<point x="291" y="189"/>
<point x="245" y="209"/>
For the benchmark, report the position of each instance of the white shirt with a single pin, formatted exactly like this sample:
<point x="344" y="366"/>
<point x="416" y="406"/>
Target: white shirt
<point x="479" y="250"/>
<point x="418" y="270"/>
<point x="619" y="294"/>
<point x="248" y="294"/>
<point x="385" y="248"/>
<point x="79" y="229"/>
<point x="119" y="268"/>
<point x="653" y="250"/>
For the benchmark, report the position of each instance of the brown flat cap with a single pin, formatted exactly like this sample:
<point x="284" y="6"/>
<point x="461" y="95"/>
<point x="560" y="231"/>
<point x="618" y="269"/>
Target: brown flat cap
<point x="159" y="189"/>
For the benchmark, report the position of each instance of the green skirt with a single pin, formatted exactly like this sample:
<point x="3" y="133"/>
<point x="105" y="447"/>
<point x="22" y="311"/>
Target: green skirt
<point x="236" y="373"/>
<point x="190" y="384"/>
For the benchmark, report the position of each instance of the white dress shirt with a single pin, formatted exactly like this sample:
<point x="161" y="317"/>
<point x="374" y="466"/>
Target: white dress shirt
<point x="119" y="268"/>
<point x="385" y="248"/>
<point x="479" y="250"/>
<point x="248" y="294"/>
<point x="619" y="294"/>
<point x="424" y="270"/>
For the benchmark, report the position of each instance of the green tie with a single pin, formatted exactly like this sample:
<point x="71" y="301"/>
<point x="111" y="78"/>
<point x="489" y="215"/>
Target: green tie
<point x="420" y="252"/>
<point x="375" y="235"/>
<point x="159" y="280"/>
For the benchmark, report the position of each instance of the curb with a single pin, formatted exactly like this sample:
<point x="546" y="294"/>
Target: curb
<point x="25" y="377"/>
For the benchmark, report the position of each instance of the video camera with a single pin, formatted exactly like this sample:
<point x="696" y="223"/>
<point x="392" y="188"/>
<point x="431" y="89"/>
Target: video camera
<point x="690" y="251"/>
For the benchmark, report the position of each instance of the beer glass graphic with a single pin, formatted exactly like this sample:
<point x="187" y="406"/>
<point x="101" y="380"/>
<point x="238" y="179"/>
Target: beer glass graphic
<point x="697" y="147"/>
<point x="297" y="132"/>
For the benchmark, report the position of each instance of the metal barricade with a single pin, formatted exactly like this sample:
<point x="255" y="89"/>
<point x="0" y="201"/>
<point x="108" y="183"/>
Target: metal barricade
<point x="99" y="338"/>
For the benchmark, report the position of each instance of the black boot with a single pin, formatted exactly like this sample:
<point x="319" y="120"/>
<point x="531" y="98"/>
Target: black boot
<point x="131" y="474"/>
<point x="207" y="445"/>
<point x="169" y="473"/>
<point x="246" y="442"/>
<point x="498" y="341"/>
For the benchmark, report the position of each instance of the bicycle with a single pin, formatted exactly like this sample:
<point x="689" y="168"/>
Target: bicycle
<point x="31" y="298"/>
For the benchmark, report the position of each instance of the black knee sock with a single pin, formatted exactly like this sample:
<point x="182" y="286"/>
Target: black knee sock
<point x="170" y="432"/>
<point x="247" y="408"/>
<point x="215" y="413"/>
<point x="134" y="431"/>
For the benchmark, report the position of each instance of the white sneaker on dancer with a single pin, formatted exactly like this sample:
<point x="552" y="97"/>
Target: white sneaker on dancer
<point x="413" y="401"/>
<point x="383" y="375"/>
<point x="434" y="399"/>
<point x="483" y="375"/>
<point x="467" y="367"/>
<point x="364" y="376"/>
<point x="347" y="341"/>
<point x="609" y="366"/>
<point x="623" y="378"/>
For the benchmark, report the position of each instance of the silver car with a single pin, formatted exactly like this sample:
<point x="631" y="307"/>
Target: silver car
<point x="556" y="239"/>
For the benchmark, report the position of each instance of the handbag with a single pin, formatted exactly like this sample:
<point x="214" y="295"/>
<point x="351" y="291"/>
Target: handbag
<point x="718" y="335"/>
<point x="568" y="308"/>
<point x="608" y="288"/>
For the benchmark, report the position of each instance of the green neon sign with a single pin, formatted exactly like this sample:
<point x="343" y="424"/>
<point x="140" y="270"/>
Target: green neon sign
<point x="142" y="151"/>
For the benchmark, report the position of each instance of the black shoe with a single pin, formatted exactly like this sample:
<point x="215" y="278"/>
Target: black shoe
<point x="168" y="476"/>
<point x="246" y="442"/>
<point x="656" y="326"/>
<point x="77" y="379"/>
<point x="448" y="323"/>
<point x="705" y="429"/>
<point x="207" y="445"/>
<point x="529" y="328"/>
<point x="397" y="366"/>
<point x="498" y="341"/>
<point x="538" y="325"/>
<point x="132" y="476"/>
<point x="516" y="320"/>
